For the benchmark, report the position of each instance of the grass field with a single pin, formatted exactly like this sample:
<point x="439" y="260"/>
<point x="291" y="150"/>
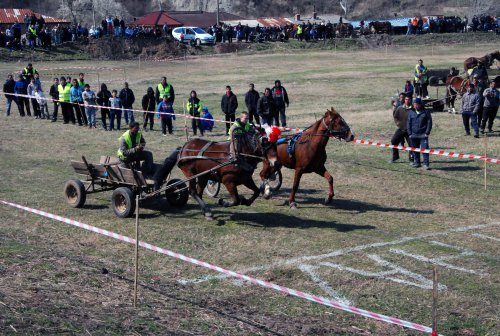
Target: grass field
<point x="374" y="247"/>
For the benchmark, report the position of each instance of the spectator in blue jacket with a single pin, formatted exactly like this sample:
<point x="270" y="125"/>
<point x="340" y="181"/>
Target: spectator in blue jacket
<point x="166" y="114"/>
<point x="408" y="89"/>
<point x="419" y="126"/>
<point x="75" y="97"/>
<point x="21" y="88"/>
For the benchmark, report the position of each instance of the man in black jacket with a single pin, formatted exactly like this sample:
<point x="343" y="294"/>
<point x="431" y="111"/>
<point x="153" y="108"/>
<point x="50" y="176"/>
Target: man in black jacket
<point x="8" y="87"/>
<point x="251" y="99"/>
<point x="127" y="98"/>
<point x="103" y="97"/>
<point x="266" y="108"/>
<point x="228" y="105"/>
<point x="149" y="105"/>
<point x="54" y="94"/>
<point x="280" y="99"/>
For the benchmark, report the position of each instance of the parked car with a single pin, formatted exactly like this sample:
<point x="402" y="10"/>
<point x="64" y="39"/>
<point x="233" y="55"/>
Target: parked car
<point x="193" y="35"/>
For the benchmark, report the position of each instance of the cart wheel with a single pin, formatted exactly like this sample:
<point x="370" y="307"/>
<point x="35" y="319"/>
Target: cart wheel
<point x="275" y="180"/>
<point x="212" y="189"/>
<point x="177" y="196"/>
<point x="74" y="193"/>
<point x="123" y="202"/>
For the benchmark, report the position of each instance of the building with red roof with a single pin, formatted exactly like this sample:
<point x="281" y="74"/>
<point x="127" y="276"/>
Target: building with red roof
<point x="9" y="16"/>
<point x="158" y="18"/>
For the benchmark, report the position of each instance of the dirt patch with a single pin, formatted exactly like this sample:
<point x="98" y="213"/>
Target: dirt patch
<point x="374" y="41"/>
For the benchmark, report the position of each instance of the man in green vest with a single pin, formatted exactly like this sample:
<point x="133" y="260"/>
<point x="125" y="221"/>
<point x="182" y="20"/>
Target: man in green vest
<point x="164" y="89"/>
<point x="29" y="72"/>
<point x="131" y="149"/>
<point x="421" y="80"/>
<point x="238" y="129"/>
<point x="63" y="90"/>
<point x="81" y="79"/>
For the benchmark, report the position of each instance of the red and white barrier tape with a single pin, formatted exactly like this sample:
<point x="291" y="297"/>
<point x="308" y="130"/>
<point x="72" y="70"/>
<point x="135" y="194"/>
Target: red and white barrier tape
<point x="358" y="141"/>
<point x="428" y="151"/>
<point x="262" y="283"/>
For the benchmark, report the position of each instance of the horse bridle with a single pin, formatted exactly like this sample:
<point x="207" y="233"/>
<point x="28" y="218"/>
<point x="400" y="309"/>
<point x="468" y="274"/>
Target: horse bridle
<point x="337" y="134"/>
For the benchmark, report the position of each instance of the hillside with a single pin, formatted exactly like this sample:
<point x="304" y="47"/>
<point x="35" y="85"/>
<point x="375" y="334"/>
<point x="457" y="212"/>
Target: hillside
<point x="259" y="8"/>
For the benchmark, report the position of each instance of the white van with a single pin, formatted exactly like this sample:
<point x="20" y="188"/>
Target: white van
<point x="192" y="35"/>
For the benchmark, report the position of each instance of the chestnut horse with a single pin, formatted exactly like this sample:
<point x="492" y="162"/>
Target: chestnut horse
<point x="201" y="160"/>
<point x="455" y="86"/>
<point x="310" y="151"/>
<point x="486" y="60"/>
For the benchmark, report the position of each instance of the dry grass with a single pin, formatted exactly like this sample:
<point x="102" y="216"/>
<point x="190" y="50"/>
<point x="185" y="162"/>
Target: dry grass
<point x="52" y="277"/>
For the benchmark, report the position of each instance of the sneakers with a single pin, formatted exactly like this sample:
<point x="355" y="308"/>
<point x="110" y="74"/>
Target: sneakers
<point x="164" y="134"/>
<point x="393" y="160"/>
<point x="481" y="130"/>
<point x="476" y="136"/>
<point x="467" y="134"/>
<point x="426" y="167"/>
<point x="415" y="165"/>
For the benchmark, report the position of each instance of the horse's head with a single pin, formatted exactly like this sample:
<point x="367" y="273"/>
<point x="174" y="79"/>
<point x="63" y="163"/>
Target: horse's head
<point x="257" y="143"/>
<point x="336" y="126"/>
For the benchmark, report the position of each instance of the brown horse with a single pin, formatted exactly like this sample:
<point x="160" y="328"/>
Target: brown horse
<point x="203" y="160"/>
<point x="455" y="86"/>
<point x="344" y="30"/>
<point x="380" y="27"/>
<point x="310" y="153"/>
<point x="486" y="60"/>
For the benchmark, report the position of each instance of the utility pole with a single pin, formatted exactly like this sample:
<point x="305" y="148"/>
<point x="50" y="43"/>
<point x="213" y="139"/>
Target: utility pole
<point x="93" y="13"/>
<point x="217" y="12"/>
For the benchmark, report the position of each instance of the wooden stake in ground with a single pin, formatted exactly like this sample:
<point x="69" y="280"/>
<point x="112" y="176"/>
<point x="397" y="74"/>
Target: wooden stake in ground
<point x="136" y="248"/>
<point x="434" y="299"/>
<point x="485" y="163"/>
<point x="185" y="122"/>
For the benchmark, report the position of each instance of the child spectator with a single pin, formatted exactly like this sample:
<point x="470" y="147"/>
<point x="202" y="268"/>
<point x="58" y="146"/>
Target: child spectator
<point x="166" y="114"/>
<point x="115" y="105"/>
<point x="207" y="123"/>
<point x="42" y="104"/>
<point x="89" y="100"/>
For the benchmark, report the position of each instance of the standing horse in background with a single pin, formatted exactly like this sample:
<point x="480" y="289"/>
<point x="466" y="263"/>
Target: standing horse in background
<point x="309" y="154"/>
<point x="344" y="30"/>
<point x="486" y="60"/>
<point x="202" y="160"/>
<point x="455" y="86"/>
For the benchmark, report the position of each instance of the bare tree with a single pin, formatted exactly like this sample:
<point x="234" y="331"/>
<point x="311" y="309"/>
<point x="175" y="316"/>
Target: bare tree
<point x="345" y="6"/>
<point x="80" y="11"/>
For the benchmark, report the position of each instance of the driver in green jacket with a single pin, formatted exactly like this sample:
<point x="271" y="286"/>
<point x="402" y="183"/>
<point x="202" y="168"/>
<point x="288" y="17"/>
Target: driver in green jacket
<point x="239" y="128"/>
<point x="131" y="149"/>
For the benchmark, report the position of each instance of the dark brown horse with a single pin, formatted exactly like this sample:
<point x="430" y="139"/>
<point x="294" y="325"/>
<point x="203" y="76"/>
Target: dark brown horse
<point x="310" y="153"/>
<point x="199" y="156"/>
<point x="486" y="60"/>
<point x="344" y="30"/>
<point x="380" y="27"/>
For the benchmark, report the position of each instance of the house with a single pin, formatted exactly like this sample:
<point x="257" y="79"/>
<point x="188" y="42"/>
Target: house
<point x="154" y="19"/>
<point x="9" y="16"/>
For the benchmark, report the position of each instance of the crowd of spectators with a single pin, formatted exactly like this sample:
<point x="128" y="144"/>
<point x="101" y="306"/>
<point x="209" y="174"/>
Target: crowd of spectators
<point x="34" y="32"/>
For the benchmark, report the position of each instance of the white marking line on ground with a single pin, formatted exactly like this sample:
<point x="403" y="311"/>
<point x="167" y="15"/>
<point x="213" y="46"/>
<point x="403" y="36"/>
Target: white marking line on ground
<point x="465" y="251"/>
<point x="436" y="261"/>
<point x="421" y="281"/>
<point x="344" y="251"/>
<point x="482" y="236"/>
<point x="311" y="270"/>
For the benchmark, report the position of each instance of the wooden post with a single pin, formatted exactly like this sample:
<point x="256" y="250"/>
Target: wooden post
<point x="485" y="163"/>
<point x="185" y="122"/>
<point x="139" y="62"/>
<point x="98" y="81"/>
<point x="434" y="299"/>
<point x="124" y="75"/>
<point x="136" y="248"/>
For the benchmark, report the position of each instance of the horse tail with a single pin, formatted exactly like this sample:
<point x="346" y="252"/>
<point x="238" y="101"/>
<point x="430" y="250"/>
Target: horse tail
<point x="167" y="166"/>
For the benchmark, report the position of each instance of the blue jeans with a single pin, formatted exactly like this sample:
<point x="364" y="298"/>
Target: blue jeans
<point x="9" y="105"/>
<point x="466" y="116"/>
<point x="90" y="112"/>
<point x="422" y="143"/>
<point x="128" y="114"/>
<point x="112" y="114"/>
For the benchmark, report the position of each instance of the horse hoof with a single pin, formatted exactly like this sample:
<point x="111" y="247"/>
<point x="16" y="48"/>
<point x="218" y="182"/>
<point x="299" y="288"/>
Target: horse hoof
<point x="328" y="200"/>
<point x="209" y="216"/>
<point x="220" y="201"/>
<point x="267" y="196"/>
<point x="293" y="205"/>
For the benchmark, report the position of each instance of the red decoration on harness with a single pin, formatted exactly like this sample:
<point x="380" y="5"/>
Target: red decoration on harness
<point x="274" y="134"/>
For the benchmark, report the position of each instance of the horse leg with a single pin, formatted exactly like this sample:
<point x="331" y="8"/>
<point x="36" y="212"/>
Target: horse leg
<point x="233" y="191"/>
<point x="250" y="184"/>
<point x="202" y="183"/>
<point x="328" y="177"/>
<point x="296" y="182"/>
<point x="204" y="209"/>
